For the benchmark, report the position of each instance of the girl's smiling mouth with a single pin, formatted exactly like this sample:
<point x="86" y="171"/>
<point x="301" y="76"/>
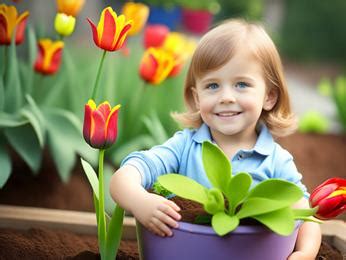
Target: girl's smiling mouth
<point x="227" y="113"/>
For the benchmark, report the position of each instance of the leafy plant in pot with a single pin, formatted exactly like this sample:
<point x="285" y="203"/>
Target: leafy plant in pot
<point x="269" y="203"/>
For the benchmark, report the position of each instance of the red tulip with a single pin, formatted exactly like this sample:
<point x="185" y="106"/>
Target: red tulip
<point x="11" y="23"/>
<point x="111" y="31"/>
<point x="155" y="35"/>
<point x="49" y="56"/>
<point x="330" y="198"/>
<point x="156" y="65"/>
<point x="100" y="127"/>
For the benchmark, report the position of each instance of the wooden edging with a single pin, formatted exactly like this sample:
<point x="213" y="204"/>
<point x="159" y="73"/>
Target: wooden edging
<point x="74" y="221"/>
<point x="85" y="223"/>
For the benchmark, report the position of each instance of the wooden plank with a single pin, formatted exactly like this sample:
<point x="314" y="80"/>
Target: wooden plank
<point x="74" y="221"/>
<point x="85" y="223"/>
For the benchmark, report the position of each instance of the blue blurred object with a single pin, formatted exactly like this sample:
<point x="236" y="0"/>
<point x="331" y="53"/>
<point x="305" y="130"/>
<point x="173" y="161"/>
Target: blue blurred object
<point x="170" y="17"/>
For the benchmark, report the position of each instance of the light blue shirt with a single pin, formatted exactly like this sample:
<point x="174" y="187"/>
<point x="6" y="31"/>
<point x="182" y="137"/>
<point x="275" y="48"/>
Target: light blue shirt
<point x="182" y="154"/>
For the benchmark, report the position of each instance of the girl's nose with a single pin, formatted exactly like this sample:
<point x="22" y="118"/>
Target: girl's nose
<point x="227" y="96"/>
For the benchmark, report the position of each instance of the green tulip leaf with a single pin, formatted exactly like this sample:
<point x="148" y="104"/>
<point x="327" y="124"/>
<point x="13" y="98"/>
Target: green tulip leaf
<point x="223" y="223"/>
<point x="216" y="166"/>
<point x="280" y="221"/>
<point x="92" y="177"/>
<point x="2" y="93"/>
<point x="13" y="91"/>
<point x="277" y="189"/>
<point x="184" y="187"/>
<point x="11" y="120"/>
<point x="114" y="232"/>
<point x="24" y="141"/>
<point x="237" y="190"/>
<point x="5" y="162"/>
<point x="258" y="206"/>
<point x="216" y="202"/>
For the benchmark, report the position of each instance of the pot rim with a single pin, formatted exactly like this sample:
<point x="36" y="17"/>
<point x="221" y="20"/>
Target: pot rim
<point x="241" y="229"/>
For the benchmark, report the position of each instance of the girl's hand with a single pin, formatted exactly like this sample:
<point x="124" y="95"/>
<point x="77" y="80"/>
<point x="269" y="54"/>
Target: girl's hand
<point x="299" y="255"/>
<point x="157" y="214"/>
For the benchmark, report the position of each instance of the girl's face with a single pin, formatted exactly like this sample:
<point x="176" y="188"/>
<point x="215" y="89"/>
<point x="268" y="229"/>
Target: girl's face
<point x="231" y="98"/>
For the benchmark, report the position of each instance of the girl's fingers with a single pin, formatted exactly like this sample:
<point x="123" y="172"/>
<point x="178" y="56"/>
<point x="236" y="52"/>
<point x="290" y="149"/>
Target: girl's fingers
<point x="162" y="226"/>
<point x="166" y="219"/>
<point x="168" y="210"/>
<point x="172" y="205"/>
<point x="155" y="229"/>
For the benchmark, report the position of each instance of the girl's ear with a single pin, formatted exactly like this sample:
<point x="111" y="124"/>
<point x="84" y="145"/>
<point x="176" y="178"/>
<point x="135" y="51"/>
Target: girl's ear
<point x="195" y="96"/>
<point x="271" y="99"/>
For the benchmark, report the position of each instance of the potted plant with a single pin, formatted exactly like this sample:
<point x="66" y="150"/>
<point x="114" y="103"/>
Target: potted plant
<point x="197" y="15"/>
<point x="229" y="201"/>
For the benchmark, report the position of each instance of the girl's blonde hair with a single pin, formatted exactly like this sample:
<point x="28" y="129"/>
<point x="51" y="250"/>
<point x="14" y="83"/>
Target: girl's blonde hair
<point x="216" y="48"/>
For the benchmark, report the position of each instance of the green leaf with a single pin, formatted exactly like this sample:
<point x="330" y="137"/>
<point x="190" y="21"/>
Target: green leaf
<point x="223" y="223"/>
<point x="324" y="87"/>
<point x="35" y="117"/>
<point x="13" y="91"/>
<point x="11" y="120"/>
<point x="2" y="93"/>
<point x="32" y="52"/>
<point x="5" y="162"/>
<point x="216" y="202"/>
<point x="178" y="184"/>
<point x="216" y="166"/>
<point x="277" y="189"/>
<point x="237" y="190"/>
<point x="114" y="233"/>
<point x="280" y="221"/>
<point x="155" y="127"/>
<point x="258" y="206"/>
<point x="61" y="148"/>
<point x="92" y="177"/>
<point x="299" y="213"/>
<point x="24" y="140"/>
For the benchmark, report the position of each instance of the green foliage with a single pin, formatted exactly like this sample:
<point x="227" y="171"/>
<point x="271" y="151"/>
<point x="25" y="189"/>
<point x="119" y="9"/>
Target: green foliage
<point x="212" y="6"/>
<point x="269" y="202"/>
<point x="337" y="92"/>
<point x="159" y="189"/>
<point x="248" y="9"/>
<point x="313" y="30"/>
<point x="30" y="122"/>
<point x="313" y="122"/>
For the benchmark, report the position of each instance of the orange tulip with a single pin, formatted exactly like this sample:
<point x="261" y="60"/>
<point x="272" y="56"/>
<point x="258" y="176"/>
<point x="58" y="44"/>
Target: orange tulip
<point x="100" y="126"/>
<point x="156" y="65"/>
<point x="11" y="23"/>
<point x="70" y="7"/>
<point x="111" y="30"/>
<point x="155" y="35"/>
<point x="49" y="56"/>
<point x="138" y="13"/>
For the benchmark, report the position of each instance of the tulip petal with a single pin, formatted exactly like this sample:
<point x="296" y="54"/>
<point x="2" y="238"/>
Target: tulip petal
<point x="87" y="125"/>
<point x="122" y="36"/>
<point x="107" y="33"/>
<point x="94" y="30"/>
<point x="97" y="133"/>
<point x="3" y="29"/>
<point x="112" y="126"/>
<point x="105" y="109"/>
<point x="21" y="23"/>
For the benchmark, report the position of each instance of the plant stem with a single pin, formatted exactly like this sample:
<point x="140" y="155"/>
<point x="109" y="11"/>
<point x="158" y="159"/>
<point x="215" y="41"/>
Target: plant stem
<point x="101" y="225"/>
<point x="98" y="76"/>
<point x="5" y="64"/>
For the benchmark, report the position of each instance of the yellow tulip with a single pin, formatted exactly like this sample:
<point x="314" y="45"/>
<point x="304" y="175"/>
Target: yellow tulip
<point x="138" y="13"/>
<point x="70" y="7"/>
<point x="64" y="24"/>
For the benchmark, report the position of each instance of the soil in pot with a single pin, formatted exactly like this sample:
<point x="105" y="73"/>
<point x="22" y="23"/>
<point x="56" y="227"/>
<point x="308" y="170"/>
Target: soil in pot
<point x="52" y="244"/>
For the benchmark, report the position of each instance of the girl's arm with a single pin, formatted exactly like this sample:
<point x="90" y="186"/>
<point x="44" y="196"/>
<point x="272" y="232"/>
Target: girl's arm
<point x="153" y="211"/>
<point x="308" y="240"/>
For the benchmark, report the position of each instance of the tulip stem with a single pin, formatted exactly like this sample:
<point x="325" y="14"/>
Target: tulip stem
<point x="101" y="214"/>
<point x="98" y="76"/>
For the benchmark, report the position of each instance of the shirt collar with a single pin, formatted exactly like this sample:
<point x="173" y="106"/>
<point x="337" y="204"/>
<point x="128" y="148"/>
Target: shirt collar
<point x="264" y="144"/>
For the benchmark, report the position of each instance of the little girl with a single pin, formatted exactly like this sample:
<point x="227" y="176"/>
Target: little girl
<point x="237" y="98"/>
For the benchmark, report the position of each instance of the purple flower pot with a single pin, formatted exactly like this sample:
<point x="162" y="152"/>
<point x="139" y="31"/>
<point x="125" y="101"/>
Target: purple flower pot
<point x="192" y="241"/>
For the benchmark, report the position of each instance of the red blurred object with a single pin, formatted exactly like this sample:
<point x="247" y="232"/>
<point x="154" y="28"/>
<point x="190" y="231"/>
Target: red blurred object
<point x="330" y="198"/>
<point x="197" y="21"/>
<point x="155" y="35"/>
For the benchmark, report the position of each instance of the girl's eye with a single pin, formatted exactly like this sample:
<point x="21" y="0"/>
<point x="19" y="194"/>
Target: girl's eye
<point x="212" y="86"/>
<point x="242" y="85"/>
